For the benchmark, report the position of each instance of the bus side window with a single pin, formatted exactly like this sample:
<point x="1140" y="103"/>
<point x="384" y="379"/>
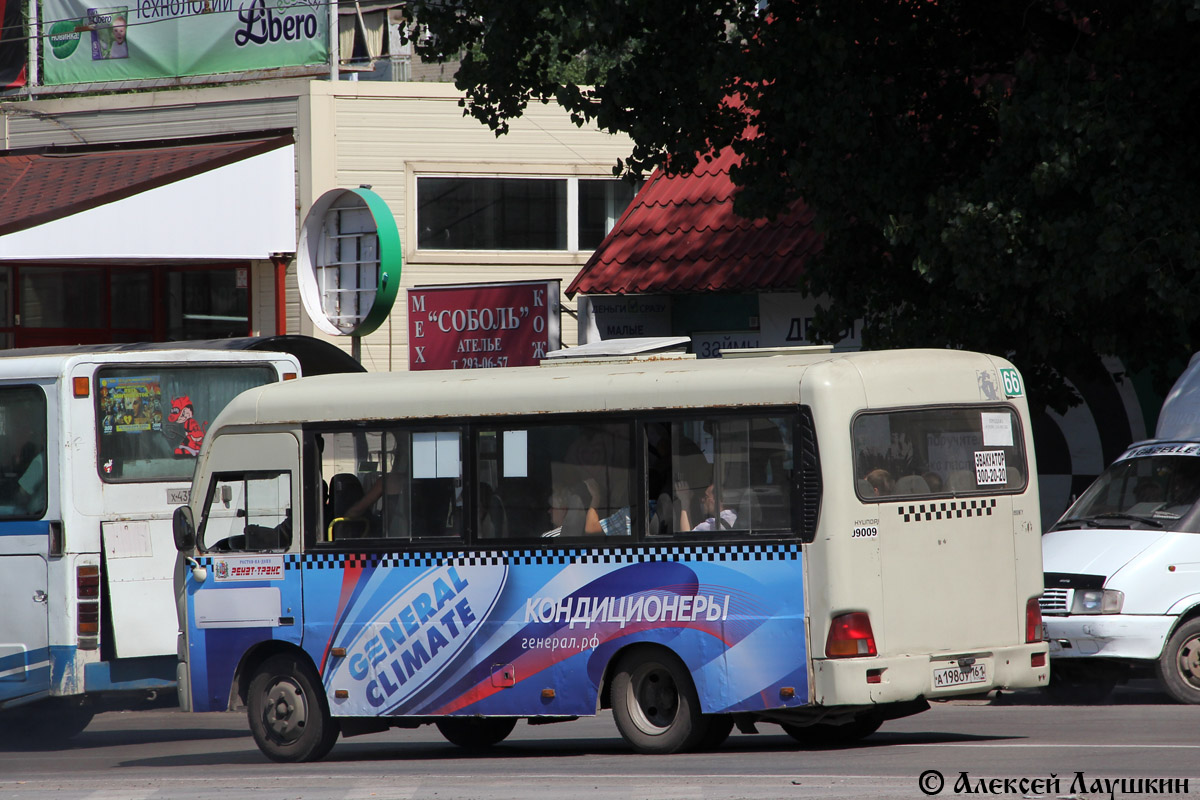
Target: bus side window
<point x="249" y="512"/>
<point x="344" y="512"/>
<point x="551" y="480"/>
<point x="23" y="452"/>
<point x="724" y="475"/>
<point x="437" y="485"/>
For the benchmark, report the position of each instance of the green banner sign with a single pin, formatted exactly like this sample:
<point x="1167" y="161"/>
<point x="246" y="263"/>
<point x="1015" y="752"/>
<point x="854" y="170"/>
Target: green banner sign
<point x="147" y="39"/>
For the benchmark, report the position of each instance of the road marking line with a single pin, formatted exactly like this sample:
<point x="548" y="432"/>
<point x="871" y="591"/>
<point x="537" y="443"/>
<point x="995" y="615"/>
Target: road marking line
<point x="1048" y="745"/>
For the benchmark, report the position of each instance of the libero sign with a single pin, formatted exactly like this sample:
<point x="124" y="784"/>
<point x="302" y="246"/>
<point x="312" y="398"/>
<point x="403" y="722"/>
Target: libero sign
<point x="470" y="326"/>
<point x="147" y="39"/>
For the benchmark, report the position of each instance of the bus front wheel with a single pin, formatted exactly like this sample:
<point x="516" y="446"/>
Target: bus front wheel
<point x="476" y="733"/>
<point x="289" y="716"/>
<point x="655" y="704"/>
<point x="1179" y="664"/>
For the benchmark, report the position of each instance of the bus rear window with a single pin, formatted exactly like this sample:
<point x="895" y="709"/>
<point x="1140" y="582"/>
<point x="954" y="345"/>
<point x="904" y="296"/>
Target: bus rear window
<point x="151" y="420"/>
<point x="22" y="452"/>
<point x="938" y="451"/>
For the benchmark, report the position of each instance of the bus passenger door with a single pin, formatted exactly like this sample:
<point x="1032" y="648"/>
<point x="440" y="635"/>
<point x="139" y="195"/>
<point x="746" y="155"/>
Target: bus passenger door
<point x="24" y="636"/>
<point x="137" y="573"/>
<point x="246" y="596"/>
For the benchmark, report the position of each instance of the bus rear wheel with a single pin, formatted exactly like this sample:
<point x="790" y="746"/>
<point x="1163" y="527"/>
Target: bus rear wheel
<point x="289" y="715"/>
<point x="1179" y="664"/>
<point x="655" y="704"/>
<point x="476" y="733"/>
<point x="826" y="735"/>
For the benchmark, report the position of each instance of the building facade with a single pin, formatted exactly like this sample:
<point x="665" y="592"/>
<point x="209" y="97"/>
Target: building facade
<point x="470" y="207"/>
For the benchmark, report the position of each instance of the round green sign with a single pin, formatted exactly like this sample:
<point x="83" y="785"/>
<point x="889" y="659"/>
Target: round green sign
<point x="348" y="262"/>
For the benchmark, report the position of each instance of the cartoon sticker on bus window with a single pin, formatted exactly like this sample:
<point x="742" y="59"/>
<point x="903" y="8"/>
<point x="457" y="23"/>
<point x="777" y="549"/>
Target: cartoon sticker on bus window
<point x="183" y="416"/>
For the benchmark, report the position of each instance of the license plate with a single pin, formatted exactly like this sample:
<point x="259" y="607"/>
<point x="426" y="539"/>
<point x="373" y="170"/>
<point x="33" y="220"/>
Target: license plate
<point x="949" y="677"/>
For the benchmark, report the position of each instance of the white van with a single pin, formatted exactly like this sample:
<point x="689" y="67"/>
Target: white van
<point x="1122" y="565"/>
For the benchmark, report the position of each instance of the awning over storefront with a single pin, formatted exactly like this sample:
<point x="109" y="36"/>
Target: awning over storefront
<point x="681" y="234"/>
<point x="213" y="198"/>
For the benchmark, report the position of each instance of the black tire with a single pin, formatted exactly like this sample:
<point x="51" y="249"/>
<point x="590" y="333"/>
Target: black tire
<point x="476" y="733"/>
<point x="46" y="723"/>
<point x="719" y="728"/>
<point x="825" y="735"/>
<point x="289" y="715"/>
<point x="1179" y="665"/>
<point x="1074" y="684"/>
<point x="654" y="703"/>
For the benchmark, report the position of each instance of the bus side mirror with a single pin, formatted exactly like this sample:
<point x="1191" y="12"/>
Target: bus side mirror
<point x="184" y="528"/>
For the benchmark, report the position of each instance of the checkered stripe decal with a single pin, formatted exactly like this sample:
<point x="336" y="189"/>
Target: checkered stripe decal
<point x="624" y="555"/>
<point x="948" y="509"/>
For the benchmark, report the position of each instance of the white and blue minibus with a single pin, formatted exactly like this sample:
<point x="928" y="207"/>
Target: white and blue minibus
<point x="97" y="449"/>
<point x="820" y="541"/>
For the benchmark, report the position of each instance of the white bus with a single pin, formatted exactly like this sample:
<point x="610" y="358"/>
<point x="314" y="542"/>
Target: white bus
<point x="97" y="448"/>
<point x="820" y="541"/>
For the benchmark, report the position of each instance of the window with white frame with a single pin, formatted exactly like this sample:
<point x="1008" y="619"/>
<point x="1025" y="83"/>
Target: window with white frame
<point x="490" y="213"/>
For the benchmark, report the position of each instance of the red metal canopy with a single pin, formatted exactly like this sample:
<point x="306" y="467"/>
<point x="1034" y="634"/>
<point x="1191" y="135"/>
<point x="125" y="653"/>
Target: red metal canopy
<point x="680" y="234"/>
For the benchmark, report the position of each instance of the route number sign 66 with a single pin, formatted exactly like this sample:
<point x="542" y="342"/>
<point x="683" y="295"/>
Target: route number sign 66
<point x="1012" y="383"/>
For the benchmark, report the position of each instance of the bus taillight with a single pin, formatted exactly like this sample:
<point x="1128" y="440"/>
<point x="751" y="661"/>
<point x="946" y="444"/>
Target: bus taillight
<point x="850" y="636"/>
<point x="1033" y="621"/>
<point x="87" y="613"/>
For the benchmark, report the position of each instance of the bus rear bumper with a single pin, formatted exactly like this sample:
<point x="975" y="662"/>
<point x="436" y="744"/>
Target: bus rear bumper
<point x="894" y="679"/>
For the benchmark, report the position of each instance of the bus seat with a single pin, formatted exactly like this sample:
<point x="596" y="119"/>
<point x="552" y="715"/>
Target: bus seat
<point x="434" y="508"/>
<point x="749" y="511"/>
<point x="662" y="521"/>
<point x="344" y="491"/>
<point x="961" y="480"/>
<point x="1015" y="478"/>
<point x="493" y="520"/>
<point x="576" y="516"/>
<point x="912" y="484"/>
<point x="260" y="537"/>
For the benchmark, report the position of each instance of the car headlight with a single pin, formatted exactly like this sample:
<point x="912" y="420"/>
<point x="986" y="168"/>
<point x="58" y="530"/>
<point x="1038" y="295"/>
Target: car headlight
<point x="1097" y="601"/>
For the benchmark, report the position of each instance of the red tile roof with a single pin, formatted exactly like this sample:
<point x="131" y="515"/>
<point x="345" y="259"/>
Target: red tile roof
<point x="680" y="234"/>
<point x="37" y="186"/>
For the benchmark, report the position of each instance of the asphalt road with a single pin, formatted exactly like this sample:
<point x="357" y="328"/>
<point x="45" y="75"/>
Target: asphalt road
<point x="163" y="753"/>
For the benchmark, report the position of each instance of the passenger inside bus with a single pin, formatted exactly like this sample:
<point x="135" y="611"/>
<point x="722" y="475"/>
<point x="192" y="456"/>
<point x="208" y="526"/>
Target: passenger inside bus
<point x="614" y="524"/>
<point x="393" y="483"/>
<point x="879" y="482"/>
<point x="31" y="485"/>
<point x="725" y="520"/>
<point x="691" y="475"/>
<point x="261" y="537"/>
<point x="559" y="505"/>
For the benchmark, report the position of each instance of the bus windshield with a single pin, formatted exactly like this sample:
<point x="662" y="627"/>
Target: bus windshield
<point x="1158" y="491"/>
